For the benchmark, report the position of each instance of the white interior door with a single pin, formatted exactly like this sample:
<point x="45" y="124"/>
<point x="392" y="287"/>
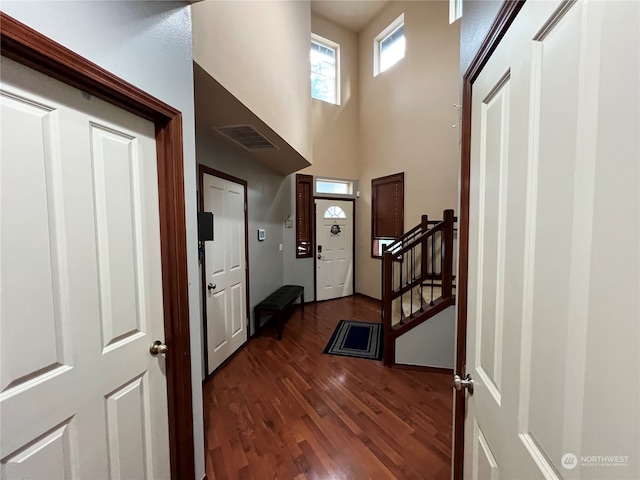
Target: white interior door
<point x="80" y="287"/>
<point x="554" y="270"/>
<point x="334" y="249"/>
<point x="225" y="269"/>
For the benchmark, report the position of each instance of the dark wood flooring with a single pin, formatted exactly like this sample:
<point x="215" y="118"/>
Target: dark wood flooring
<point x="283" y="409"/>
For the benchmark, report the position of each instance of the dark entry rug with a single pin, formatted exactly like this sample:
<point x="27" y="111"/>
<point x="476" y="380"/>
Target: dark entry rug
<point x="356" y="339"/>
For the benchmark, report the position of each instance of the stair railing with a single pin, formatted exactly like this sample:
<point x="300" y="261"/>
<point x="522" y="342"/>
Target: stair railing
<point x="419" y="259"/>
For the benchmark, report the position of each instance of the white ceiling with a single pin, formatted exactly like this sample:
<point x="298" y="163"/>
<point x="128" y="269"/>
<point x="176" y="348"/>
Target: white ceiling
<point x="351" y="14"/>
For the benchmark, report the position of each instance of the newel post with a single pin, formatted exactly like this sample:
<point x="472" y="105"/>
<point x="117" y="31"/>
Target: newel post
<point x="447" y="254"/>
<point x="387" y="298"/>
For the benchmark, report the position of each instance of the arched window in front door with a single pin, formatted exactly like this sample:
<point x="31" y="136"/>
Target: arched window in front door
<point x="334" y="211"/>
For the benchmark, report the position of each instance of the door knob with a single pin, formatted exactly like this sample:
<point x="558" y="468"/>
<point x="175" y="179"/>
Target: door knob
<point x="158" y="347"/>
<point x="211" y="286"/>
<point x="460" y="383"/>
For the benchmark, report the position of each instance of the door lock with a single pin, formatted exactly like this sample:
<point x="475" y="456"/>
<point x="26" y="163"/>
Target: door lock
<point x="460" y="383"/>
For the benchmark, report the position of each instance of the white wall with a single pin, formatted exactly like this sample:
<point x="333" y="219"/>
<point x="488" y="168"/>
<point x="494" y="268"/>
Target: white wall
<point x="149" y="45"/>
<point x="477" y="17"/>
<point x="259" y="51"/>
<point x="429" y="344"/>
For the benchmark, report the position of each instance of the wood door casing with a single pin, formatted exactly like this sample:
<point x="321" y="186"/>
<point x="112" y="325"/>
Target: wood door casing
<point x="202" y="171"/>
<point x="28" y="47"/>
<point x="553" y="171"/>
<point x="505" y="17"/>
<point x="76" y="367"/>
<point x="323" y="236"/>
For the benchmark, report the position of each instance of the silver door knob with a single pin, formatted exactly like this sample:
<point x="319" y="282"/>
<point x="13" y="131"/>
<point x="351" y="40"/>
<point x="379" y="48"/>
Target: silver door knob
<point x="158" y="347"/>
<point x="460" y="383"/>
<point x="211" y="286"/>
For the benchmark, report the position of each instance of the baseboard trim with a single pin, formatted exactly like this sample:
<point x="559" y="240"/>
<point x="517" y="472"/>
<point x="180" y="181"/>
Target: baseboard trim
<point x="424" y="368"/>
<point x="367" y="297"/>
<point x="240" y="348"/>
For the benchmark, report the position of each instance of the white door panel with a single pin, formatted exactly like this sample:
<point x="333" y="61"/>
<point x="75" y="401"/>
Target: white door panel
<point x="335" y="263"/>
<point x="81" y="292"/>
<point x="225" y="268"/>
<point x="554" y="265"/>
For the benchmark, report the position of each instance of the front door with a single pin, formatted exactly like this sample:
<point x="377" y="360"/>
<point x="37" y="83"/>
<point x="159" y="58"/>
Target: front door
<point x="334" y="249"/>
<point x="225" y="269"/>
<point x="81" y="396"/>
<point x="554" y="248"/>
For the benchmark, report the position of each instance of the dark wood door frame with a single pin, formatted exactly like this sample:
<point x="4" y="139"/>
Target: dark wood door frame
<point x="29" y="47"/>
<point x="507" y="13"/>
<point x="315" y="243"/>
<point x="202" y="170"/>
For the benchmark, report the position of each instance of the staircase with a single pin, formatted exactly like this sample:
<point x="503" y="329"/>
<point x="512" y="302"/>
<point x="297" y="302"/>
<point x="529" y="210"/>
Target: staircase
<point x="417" y="278"/>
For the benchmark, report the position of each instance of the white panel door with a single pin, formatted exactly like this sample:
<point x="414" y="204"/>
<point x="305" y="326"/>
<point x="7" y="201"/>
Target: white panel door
<point x="80" y="287"/>
<point x="554" y="268"/>
<point x="334" y="249"/>
<point x="225" y="270"/>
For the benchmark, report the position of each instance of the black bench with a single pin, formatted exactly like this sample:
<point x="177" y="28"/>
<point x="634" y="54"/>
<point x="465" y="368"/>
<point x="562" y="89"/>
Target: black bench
<point x="276" y="304"/>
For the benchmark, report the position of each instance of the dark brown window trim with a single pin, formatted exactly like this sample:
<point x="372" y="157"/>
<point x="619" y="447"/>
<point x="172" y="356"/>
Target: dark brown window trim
<point x="389" y="179"/>
<point x="304" y="216"/>
<point x="29" y="47"/>
<point x="505" y="17"/>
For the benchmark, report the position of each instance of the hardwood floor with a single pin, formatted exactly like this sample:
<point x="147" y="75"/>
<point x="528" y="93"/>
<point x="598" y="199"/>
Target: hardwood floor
<point x="283" y="409"/>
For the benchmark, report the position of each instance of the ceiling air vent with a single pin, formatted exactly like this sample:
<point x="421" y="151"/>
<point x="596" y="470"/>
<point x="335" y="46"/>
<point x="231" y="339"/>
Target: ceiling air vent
<point x="247" y="137"/>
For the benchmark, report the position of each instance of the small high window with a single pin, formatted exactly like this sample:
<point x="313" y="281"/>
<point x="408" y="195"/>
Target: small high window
<point x="334" y="187"/>
<point x="455" y="10"/>
<point x="389" y="46"/>
<point x="324" y="69"/>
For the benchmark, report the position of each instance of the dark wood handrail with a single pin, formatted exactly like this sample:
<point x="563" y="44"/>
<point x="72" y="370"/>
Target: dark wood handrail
<point x="396" y="253"/>
<point x="416" y="241"/>
<point x="423" y="225"/>
<point x="447" y="253"/>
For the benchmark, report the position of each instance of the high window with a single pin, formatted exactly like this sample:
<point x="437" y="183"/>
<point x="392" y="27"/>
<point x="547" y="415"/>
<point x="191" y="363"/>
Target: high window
<point x="389" y="46"/>
<point x="325" y="186"/>
<point x="387" y="211"/>
<point x="455" y="10"/>
<point x="304" y="216"/>
<point x="324" y="69"/>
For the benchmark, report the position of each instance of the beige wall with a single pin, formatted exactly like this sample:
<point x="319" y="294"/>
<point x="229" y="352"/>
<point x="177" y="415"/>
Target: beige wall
<point x="259" y="51"/>
<point x="335" y="128"/>
<point x="336" y="143"/>
<point x="406" y="118"/>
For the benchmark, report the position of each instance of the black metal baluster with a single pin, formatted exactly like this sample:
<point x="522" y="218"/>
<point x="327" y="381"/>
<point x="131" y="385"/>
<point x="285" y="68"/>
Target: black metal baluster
<point x="413" y="277"/>
<point x="401" y="285"/>
<point x="433" y="265"/>
<point x="422" y="277"/>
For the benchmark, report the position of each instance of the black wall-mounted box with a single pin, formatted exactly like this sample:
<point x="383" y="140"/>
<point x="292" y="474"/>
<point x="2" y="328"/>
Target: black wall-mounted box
<point x="205" y="226"/>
